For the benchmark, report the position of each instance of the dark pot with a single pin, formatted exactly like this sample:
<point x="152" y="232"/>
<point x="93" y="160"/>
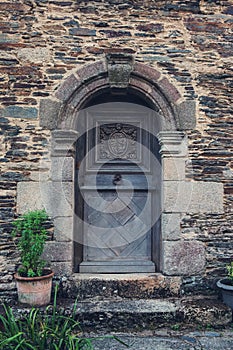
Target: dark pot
<point x="227" y="291"/>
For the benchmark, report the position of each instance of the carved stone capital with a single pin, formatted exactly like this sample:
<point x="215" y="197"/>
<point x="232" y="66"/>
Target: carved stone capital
<point x="173" y="143"/>
<point x="63" y="142"/>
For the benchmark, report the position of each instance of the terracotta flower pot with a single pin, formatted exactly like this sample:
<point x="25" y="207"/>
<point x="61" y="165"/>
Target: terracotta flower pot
<point x="34" y="291"/>
<point x="227" y="291"/>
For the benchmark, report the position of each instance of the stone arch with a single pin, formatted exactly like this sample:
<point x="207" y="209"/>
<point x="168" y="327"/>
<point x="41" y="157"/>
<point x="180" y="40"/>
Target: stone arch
<point x="59" y="112"/>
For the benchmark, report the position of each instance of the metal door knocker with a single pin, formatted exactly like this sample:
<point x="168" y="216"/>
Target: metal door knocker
<point x="117" y="178"/>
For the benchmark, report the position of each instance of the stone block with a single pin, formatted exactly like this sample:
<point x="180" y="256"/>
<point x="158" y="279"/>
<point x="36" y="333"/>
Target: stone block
<point x="186" y="113"/>
<point x="48" y="113"/>
<point x="66" y="89"/>
<point x="91" y="70"/>
<point x="146" y="71"/>
<point x="115" y="33"/>
<point x="55" y="197"/>
<point x="174" y="168"/>
<point x="169" y="89"/>
<point x="34" y="55"/>
<point x="140" y="85"/>
<point x="200" y="24"/>
<point x="192" y="197"/>
<point x="63" y="142"/>
<point x="171" y="226"/>
<point x="82" y="32"/>
<point x="62" y="168"/>
<point x="58" y="251"/>
<point x="64" y="268"/>
<point x="42" y="175"/>
<point x="128" y="286"/>
<point x="151" y="27"/>
<point x="63" y="229"/>
<point x="90" y="88"/>
<point x="7" y="286"/>
<point x="173" y="144"/>
<point x="183" y="257"/>
<point x="119" y="69"/>
<point x="19" y="112"/>
<point x="206" y="311"/>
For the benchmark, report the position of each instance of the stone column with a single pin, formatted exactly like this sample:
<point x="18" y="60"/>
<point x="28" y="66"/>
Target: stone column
<point x="62" y="201"/>
<point x="178" y="256"/>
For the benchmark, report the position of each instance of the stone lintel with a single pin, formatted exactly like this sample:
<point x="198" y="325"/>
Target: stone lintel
<point x="63" y="142"/>
<point x="173" y="143"/>
<point x="183" y="258"/>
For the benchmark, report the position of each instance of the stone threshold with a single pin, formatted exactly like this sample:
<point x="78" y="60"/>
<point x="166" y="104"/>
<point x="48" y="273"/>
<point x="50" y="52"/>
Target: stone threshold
<point x="133" y="285"/>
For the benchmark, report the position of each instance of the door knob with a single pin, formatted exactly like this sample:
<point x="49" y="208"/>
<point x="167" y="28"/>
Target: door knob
<point x="117" y="178"/>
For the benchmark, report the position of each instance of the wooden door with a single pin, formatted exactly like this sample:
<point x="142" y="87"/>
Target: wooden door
<point x="118" y="190"/>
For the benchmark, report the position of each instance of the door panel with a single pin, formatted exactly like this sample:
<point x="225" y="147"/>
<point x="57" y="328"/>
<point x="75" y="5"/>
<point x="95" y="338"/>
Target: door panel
<point x="118" y="184"/>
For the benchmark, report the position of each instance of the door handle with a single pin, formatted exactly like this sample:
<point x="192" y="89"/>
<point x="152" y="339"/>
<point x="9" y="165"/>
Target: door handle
<point x="117" y="178"/>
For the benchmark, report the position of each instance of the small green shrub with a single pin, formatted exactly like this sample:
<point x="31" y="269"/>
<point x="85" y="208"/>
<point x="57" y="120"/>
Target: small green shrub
<point x="32" y="237"/>
<point x="50" y="331"/>
<point x="230" y="272"/>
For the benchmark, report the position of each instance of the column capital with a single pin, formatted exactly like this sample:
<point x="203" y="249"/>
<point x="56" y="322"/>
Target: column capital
<point x="63" y="142"/>
<point x="173" y="143"/>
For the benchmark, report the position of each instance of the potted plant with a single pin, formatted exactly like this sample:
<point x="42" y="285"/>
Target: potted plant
<point x="33" y="279"/>
<point x="226" y="286"/>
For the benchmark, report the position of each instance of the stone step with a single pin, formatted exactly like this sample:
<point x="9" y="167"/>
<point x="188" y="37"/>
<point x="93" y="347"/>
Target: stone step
<point x="120" y="315"/>
<point x="103" y="315"/>
<point x="138" y="286"/>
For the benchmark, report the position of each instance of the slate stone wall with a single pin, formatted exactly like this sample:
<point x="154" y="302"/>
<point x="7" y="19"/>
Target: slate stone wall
<point x="189" y="42"/>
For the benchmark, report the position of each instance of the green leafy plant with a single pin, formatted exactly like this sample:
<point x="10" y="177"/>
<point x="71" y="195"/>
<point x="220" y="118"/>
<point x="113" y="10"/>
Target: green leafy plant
<point x="49" y="331"/>
<point x="230" y="272"/>
<point x="31" y="241"/>
<point x="176" y="327"/>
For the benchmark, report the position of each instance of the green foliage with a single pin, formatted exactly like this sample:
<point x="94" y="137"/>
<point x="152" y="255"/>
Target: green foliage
<point x="230" y="272"/>
<point x="176" y="327"/>
<point x="51" y="331"/>
<point x="32" y="236"/>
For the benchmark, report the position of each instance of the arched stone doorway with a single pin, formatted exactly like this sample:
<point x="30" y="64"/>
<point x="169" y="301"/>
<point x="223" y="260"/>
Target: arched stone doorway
<point x="121" y="77"/>
<point x="117" y="187"/>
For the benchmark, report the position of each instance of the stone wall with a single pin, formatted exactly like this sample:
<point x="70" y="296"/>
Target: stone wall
<point x="188" y="42"/>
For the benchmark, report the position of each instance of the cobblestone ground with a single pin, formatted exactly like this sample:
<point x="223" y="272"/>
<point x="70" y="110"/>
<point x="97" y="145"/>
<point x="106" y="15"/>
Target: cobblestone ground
<point x="209" y="340"/>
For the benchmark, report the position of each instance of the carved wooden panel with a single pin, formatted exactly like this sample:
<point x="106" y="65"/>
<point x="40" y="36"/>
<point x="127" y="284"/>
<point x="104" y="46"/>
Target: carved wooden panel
<point x="118" y="140"/>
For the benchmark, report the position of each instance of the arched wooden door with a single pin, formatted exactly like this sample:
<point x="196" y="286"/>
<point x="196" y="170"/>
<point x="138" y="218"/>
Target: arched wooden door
<point x="117" y="183"/>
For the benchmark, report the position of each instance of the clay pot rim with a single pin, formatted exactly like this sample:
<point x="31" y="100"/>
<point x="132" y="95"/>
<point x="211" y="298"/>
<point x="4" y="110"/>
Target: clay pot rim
<point x="37" y="278"/>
